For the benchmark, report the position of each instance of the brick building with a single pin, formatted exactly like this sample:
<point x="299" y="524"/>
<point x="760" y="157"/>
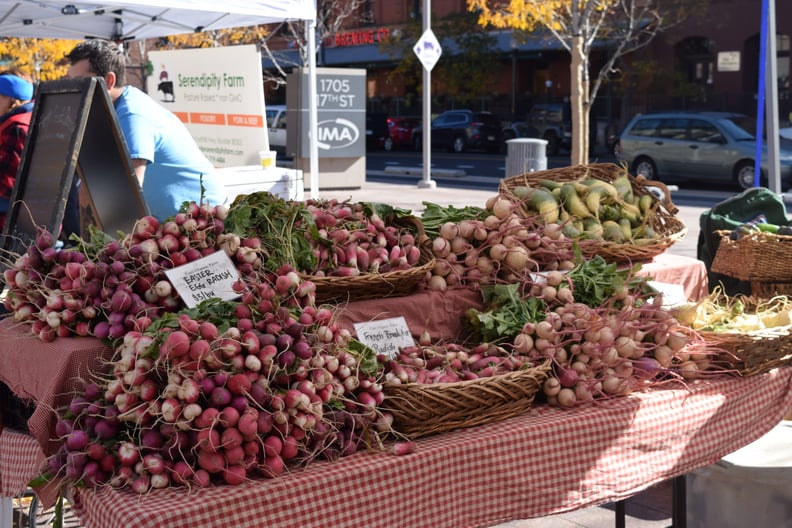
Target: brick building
<point x="711" y="61"/>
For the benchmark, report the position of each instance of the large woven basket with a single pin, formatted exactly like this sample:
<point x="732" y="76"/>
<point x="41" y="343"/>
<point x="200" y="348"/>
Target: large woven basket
<point x="759" y="256"/>
<point x="753" y="352"/>
<point x="424" y="409"/>
<point x="661" y="218"/>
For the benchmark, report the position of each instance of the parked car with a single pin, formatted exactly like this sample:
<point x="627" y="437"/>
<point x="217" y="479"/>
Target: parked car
<point x="717" y="146"/>
<point x="518" y="129"/>
<point x="553" y="122"/>
<point x="377" y="133"/>
<point x="276" y="127"/>
<point x="460" y="130"/>
<point x="400" y="129"/>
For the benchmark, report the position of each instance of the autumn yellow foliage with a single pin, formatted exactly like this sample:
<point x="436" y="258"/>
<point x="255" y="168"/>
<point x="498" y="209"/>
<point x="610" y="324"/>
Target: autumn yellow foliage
<point x="40" y="59"/>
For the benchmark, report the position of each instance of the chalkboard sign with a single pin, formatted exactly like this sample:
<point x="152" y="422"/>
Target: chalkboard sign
<point x="73" y="131"/>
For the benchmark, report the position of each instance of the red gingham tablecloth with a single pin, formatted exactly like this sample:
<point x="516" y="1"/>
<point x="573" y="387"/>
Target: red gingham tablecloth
<point x="544" y="462"/>
<point x="47" y="374"/>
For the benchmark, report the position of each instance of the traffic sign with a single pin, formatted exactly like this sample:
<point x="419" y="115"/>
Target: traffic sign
<point x="428" y="49"/>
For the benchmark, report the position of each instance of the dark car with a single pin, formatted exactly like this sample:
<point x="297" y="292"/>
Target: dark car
<point x="460" y="130"/>
<point x="400" y="129"/>
<point x="697" y="146"/>
<point x="552" y="122"/>
<point x="377" y="134"/>
<point x="518" y="129"/>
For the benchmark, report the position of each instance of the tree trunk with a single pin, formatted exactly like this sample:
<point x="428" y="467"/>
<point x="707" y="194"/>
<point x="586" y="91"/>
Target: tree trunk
<point x="578" y="103"/>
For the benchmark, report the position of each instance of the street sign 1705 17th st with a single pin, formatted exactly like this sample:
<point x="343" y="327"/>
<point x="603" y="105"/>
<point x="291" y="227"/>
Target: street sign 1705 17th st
<point x="428" y="49"/>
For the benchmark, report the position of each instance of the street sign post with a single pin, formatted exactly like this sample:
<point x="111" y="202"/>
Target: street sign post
<point x="428" y="51"/>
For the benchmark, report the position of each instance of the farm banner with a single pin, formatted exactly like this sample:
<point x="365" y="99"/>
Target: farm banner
<point x="217" y="93"/>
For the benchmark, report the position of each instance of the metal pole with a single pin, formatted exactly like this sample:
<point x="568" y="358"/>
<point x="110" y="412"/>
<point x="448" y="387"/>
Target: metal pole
<point x="771" y="106"/>
<point x="313" y="115"/>
<point x="426" y="182"/>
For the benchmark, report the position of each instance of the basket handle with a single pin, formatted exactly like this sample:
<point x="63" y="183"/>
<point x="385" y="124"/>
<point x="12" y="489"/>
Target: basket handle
<point x="642" y="180"/>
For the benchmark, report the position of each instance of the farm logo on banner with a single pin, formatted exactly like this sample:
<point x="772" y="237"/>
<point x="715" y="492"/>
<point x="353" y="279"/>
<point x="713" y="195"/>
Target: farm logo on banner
<point x="217" y="93"/>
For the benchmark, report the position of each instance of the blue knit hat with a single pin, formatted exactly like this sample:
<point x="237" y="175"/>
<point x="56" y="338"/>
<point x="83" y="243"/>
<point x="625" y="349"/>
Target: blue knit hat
<point x="16" y="87"/>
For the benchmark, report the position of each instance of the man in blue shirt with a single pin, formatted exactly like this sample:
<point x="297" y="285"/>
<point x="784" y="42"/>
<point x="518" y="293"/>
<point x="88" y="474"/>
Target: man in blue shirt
<point x="169" y="165"/>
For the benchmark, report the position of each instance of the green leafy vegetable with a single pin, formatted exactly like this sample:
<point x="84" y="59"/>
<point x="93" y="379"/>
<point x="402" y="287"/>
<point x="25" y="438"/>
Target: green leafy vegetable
<point x="507" y="314"/>
<point x="595" y="281"/>
<point x="435" y="216"/>
<point x="281" y="226"/>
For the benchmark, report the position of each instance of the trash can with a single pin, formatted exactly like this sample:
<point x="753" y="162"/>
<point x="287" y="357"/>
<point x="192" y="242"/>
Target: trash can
<point x="525" y="155"/>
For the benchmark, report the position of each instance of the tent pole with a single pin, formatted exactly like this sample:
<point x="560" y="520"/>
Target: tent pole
<point x="313" y="119"/>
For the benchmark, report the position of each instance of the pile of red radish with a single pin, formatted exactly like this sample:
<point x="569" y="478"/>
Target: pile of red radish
<point x="610" y="350"/>
<point x="352" y="239"/>
<point x="450" y="363"/>
<point x="503" y="247"/>
<point x="224" y="393"/>
<point x="107" y="287"/>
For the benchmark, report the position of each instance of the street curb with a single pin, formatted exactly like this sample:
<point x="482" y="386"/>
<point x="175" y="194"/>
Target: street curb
<point x="418" y="171"/>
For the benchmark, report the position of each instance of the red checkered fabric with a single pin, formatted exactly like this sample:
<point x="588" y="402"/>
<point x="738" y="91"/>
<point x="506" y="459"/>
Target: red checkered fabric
<point x="20" y="460"/>
<point x="46" y="373"/>
<point x="544" y="462"/>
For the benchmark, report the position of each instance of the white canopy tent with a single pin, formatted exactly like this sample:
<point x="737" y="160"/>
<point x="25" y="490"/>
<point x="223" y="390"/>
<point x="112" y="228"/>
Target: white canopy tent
<point x="121" y="20"/>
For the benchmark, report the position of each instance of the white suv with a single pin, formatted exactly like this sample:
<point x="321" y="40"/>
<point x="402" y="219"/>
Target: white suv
<point x="276" y="126"/>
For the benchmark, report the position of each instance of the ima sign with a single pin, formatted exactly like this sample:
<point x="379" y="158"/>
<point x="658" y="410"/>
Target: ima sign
<point x="341" y="112"/>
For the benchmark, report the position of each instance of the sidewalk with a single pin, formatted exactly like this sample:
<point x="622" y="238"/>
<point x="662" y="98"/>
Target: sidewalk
<point x="412" y="197"/>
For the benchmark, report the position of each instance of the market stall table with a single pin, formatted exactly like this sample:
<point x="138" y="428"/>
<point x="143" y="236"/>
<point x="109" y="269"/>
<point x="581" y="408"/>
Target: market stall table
<point x="544" y="462"/>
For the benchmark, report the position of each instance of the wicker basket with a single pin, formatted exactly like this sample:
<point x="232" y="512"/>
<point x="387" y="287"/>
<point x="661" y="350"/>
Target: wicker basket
<point x="754" y="352"/>
<point x="424" y="409"/>
<point x="661" y="219"/>
<point x="374" y="285"/>
<point x="370" y="285"/>
<point x="760" y="256"/>
<point x="768" y="289"/>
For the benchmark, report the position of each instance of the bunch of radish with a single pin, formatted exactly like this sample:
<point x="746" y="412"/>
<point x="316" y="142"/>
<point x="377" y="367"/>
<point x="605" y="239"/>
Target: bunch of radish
<point x="105" y="287"/>
<point x="501" y="247"/>
<point x="352" y="239"/>
<point x="609" y="350"/>
<point x="224" y="393"/>
<point x="449" y="363"/>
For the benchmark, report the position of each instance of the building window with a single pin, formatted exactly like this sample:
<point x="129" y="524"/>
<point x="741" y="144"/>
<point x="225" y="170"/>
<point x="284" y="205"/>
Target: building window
<point x="696" y="59"/>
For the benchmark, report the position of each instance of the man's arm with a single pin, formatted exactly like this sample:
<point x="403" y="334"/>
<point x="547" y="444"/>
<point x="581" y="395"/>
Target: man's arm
<point x="139" y="166"/>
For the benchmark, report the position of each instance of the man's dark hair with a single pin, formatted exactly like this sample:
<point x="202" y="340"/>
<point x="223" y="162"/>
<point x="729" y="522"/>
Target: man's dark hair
<point x="104" y="56"/>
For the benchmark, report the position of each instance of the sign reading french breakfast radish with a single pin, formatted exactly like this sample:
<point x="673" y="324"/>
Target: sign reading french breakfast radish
<point x="218" y="94"/>
<point x="385" y="336"/>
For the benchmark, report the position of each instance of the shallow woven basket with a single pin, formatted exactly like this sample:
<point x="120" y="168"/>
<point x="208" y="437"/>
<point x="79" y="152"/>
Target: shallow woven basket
<point x="424" y="409"/>
<point x="760" y="256"/>
<point x="754" y="352"/>
<point x="661" y="219"/>
<point x="768" y="289"/>
<point x="375" y="285"/>
<point x="370" y="285"/>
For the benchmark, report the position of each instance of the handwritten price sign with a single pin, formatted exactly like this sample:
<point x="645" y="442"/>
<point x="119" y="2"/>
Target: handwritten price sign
<point x="210" y="277"/>
<point x="385" y="336"/>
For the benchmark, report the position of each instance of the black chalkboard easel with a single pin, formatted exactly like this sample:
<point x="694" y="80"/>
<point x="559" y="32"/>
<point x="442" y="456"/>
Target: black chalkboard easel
<point x="73" y="130"/>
